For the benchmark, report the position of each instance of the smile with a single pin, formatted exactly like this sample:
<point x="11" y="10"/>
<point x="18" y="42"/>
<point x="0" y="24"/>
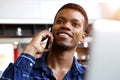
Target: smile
<point x="65" y="34"/>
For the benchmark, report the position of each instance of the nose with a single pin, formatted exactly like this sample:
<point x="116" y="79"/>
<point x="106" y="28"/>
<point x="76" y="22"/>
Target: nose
<point x="67" y="25"/>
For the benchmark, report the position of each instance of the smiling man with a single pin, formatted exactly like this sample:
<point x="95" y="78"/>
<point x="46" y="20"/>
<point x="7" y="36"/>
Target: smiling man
<point x="57" y="62"/>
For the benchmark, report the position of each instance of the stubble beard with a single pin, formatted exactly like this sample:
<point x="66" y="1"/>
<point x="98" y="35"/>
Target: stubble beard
<point x="61" y="47"/>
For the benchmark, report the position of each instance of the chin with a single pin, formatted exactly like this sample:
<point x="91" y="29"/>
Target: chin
<point x="62" y="46"/>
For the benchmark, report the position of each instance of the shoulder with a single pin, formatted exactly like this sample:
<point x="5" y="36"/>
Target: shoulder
<point x="79" y="67"/>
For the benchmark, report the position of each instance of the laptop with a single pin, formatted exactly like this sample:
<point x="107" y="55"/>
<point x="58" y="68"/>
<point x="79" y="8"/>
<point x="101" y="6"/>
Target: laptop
<point x="104" y="53"/>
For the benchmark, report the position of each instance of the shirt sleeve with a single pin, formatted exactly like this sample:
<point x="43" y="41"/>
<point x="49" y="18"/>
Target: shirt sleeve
<point x="21" y="69"/>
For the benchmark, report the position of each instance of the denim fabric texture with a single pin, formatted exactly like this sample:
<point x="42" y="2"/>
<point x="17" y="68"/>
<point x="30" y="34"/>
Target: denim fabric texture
<point x="27" y="67"/>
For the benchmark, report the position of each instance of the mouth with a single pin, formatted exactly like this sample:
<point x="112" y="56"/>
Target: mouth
<point x="65" y="34"/>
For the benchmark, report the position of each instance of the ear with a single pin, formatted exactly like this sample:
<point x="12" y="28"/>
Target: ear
<point x="84" y="35"/>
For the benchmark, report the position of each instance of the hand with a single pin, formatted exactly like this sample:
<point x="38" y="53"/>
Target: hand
<point x="36" y="44"/>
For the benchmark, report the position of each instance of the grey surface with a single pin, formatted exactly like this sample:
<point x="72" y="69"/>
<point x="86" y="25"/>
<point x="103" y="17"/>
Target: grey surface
<point x="104" y="62"/>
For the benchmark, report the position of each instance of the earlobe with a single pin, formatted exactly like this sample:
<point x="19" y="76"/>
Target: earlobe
<point x="79" y="42"/>
<point x="84" y="35"/>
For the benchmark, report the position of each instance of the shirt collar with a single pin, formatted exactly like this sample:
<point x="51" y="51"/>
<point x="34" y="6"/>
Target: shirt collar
<point x="76" y="69"/>
<point x="40" y="63"/>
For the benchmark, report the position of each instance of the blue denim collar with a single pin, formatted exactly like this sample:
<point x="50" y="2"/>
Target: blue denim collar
<point x="40" y="63"/>
<point x="76" y="69"/>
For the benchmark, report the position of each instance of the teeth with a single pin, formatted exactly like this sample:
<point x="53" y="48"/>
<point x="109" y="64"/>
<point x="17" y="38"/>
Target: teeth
<point x="64" y="35"/>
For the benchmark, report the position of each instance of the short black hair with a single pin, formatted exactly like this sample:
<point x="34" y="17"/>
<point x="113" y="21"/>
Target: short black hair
<point x="78" y="8"/>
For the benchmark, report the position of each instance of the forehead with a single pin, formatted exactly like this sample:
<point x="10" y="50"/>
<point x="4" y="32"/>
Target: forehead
<point x="70" y="14"/>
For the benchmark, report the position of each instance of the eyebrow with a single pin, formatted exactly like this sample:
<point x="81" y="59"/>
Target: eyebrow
<point x="76" y="20"/>
<point x="60" y="18"/>
<point x="65" y="19"/>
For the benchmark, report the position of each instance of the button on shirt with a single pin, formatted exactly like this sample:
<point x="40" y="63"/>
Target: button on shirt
<point x="27" y="67"/>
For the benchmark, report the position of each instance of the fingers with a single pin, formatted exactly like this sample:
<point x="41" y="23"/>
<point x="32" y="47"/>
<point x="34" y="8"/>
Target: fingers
<point x="37" y="43"/>
<point x="42" y="35"/>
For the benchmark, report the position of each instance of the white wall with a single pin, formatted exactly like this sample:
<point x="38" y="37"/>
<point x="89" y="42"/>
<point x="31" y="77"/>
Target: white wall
<point x="45" y="10"/>
<point x="19" y="8"/>
<point x="48" y="8"/>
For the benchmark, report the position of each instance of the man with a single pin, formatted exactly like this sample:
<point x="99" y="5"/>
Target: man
<point x="58" y="61"/>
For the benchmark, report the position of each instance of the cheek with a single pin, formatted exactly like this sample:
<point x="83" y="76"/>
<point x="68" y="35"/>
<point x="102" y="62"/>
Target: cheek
<point x="78" y="37"/>
<point x="54" y="28"/>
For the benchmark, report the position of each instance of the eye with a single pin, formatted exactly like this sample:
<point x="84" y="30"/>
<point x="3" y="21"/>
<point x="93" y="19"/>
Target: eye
<point x="59" y="21"/>
<point x="76" y="24"/>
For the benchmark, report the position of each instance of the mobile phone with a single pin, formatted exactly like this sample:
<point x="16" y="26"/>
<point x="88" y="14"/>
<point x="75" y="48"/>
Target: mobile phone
<point x="47" y="44"/>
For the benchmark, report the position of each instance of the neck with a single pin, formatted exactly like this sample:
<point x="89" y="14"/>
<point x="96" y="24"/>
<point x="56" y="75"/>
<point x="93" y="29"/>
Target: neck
<point x="60" y="59"/>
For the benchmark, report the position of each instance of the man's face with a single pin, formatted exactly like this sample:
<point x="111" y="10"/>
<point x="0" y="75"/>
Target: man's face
<point x="68" y="28"/>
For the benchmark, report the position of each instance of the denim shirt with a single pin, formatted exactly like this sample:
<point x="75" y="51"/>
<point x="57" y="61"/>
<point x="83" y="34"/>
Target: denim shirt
<point x="27" y="67"/>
